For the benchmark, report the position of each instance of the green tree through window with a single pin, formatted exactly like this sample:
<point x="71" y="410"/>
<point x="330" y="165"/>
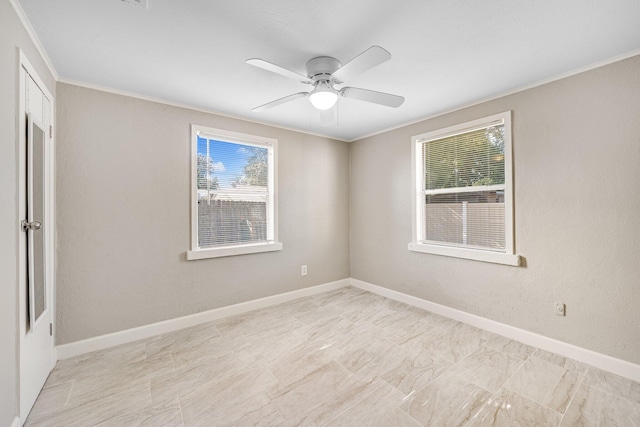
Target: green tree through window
<point x="206" y="173"/>
<point x="469" y="159"/>
<point x="256" y="170"/>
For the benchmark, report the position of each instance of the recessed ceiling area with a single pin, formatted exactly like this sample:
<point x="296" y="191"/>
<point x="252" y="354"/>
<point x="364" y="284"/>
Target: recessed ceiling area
<point x="445" y="54"/>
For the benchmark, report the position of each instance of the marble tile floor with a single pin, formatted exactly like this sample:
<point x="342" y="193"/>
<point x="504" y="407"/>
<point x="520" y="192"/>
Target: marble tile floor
<point x="341" y="358"/>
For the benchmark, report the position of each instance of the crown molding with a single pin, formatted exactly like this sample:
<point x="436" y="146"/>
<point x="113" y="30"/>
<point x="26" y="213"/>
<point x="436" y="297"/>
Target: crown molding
<point x="518" y="89"/>
<point x="34" y="37"/>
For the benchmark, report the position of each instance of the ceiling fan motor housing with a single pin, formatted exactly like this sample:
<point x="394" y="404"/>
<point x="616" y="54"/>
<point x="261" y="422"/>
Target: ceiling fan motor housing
<point x="321" y="68"/>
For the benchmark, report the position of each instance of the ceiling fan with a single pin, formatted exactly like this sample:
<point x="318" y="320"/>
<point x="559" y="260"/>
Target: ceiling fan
<point x="323" y="72"/>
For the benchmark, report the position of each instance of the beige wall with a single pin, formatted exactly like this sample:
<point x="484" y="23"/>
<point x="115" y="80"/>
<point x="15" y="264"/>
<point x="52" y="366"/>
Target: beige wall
<point x="123" y="210"/>
<point x="576" y="149"/>
<point x="12" y="37"/>
<point x="576" y="146"/>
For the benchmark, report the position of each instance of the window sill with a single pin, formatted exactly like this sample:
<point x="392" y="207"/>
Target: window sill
<point x="476" y="255"/>
<point x="233" y="251"/>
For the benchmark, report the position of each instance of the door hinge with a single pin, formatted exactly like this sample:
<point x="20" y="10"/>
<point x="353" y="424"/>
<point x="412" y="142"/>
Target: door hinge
<point x="50" y="131"/>
<point x="51" y="329"/>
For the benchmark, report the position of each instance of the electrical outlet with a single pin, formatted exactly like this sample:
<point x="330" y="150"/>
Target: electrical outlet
<point x="560" y="309"/>
<point x="303" y="270"/>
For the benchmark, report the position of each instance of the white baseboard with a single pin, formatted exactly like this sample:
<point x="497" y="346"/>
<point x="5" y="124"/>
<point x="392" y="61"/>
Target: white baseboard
<point x="65" y="351"/>
<point x="602" y="361"/>
<point x="599" y="360"/>
<point x="16" y="422"/>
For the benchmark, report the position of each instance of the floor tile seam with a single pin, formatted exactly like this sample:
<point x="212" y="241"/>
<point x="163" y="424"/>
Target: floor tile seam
<point x="276" y="408"/>
<point x="616" y="395"/>
<point x="345" y="368"/>
<point x="479" y="410"/>
<point x="579" y="372"/>
<point x="126" y="363"/>
<point x="582" y="382"/>
<point x="198" y="361"/>
<point x="66" y="401"/>
<point x="394" y="387"/>
<point x="501" y="349"/>
<point x="89" y="374"/>
<point x="92" y="400"/>
<point x="407" y="395"/>
<point x="521" y="363"/>
<point x="48" y="385"/>
<point x="432" y="327"/>
<point x="296" y="419"/>
<point x="472" y="383"/>
<point x="367" y="394"/>
<point x="180" y="408"/>
<point x="52" y="410"/>
<point x="215" y="327"/>
<point x="490" y="349"/>
<point x="458" y="376"/>
<point x="400" y="346"/>
<point x="442" y="355"/>
<point x="580" y="367"/>
<point x="505" y="386"/>
<point x="277" y="387"/>
<point x="496" y="394"/>
<point x="515" y="371"/>
<point x="117" y="415"/>
<point x="464" y="356"/>
<point x="582" y="377"/>
<point x="105" y="373"/>
<point x="150" y="395"/>
<point x="448" y="370"/>
<point x="536" y="402"/>
<point x="393" y="344"/>
<point x="173" y="363"/>
<point x="409" y="415"/>
<point x="405" y="345"/>
<point x="595" y="369"/>
<point x="426" y="322"/>
<point x="55" y="384"/>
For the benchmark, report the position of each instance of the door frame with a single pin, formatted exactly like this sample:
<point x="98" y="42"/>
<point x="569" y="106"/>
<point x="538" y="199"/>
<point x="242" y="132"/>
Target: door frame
<point x="25" y="68"/>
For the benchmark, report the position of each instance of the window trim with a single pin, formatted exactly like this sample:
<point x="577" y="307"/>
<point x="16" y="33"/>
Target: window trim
<point x="508" y="257"/>
<point x="272" y="244"/>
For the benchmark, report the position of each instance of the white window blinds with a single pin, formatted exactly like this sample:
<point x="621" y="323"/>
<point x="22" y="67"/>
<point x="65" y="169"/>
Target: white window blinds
<point x="463" y="191"/>
<point x="234" y="192"/>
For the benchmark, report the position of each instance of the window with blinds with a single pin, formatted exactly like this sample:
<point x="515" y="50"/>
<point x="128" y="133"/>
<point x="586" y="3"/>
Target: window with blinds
<point x="234" y="190"/>
<point x="463" y="186"/>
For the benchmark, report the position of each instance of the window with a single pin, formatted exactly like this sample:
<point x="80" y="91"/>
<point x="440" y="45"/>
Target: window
<point x="233" y="194"/>
<point x="463" y="203"/>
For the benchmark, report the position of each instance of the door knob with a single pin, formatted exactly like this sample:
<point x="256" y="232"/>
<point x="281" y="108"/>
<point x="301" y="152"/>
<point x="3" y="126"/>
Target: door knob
<point x="33" y="225"/>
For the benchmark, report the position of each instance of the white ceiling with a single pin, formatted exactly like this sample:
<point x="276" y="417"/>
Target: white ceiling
<point x="446" y="53"/>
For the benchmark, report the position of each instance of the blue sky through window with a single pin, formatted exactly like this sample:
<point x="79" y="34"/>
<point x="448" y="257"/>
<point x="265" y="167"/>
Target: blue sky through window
<point x="228" y="159"/>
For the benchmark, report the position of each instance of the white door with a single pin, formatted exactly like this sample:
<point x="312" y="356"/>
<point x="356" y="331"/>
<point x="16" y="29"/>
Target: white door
<point x="36" y="239"/>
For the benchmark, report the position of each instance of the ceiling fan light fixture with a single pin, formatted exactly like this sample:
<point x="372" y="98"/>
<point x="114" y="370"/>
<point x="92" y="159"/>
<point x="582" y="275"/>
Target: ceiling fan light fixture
<point x="323" y="97"/>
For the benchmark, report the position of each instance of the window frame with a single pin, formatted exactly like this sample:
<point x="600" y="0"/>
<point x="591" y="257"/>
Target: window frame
<point x="508" y="257"/>
<point x="272" y="243"/>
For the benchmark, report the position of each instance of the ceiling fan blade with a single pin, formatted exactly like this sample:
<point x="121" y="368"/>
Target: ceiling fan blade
<point x="328" y="117"/>
<point x="372" y="96"/>
<point x="368" y="59"/>
<point x="280" y="101"/>
<point x="265" y="65"/>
